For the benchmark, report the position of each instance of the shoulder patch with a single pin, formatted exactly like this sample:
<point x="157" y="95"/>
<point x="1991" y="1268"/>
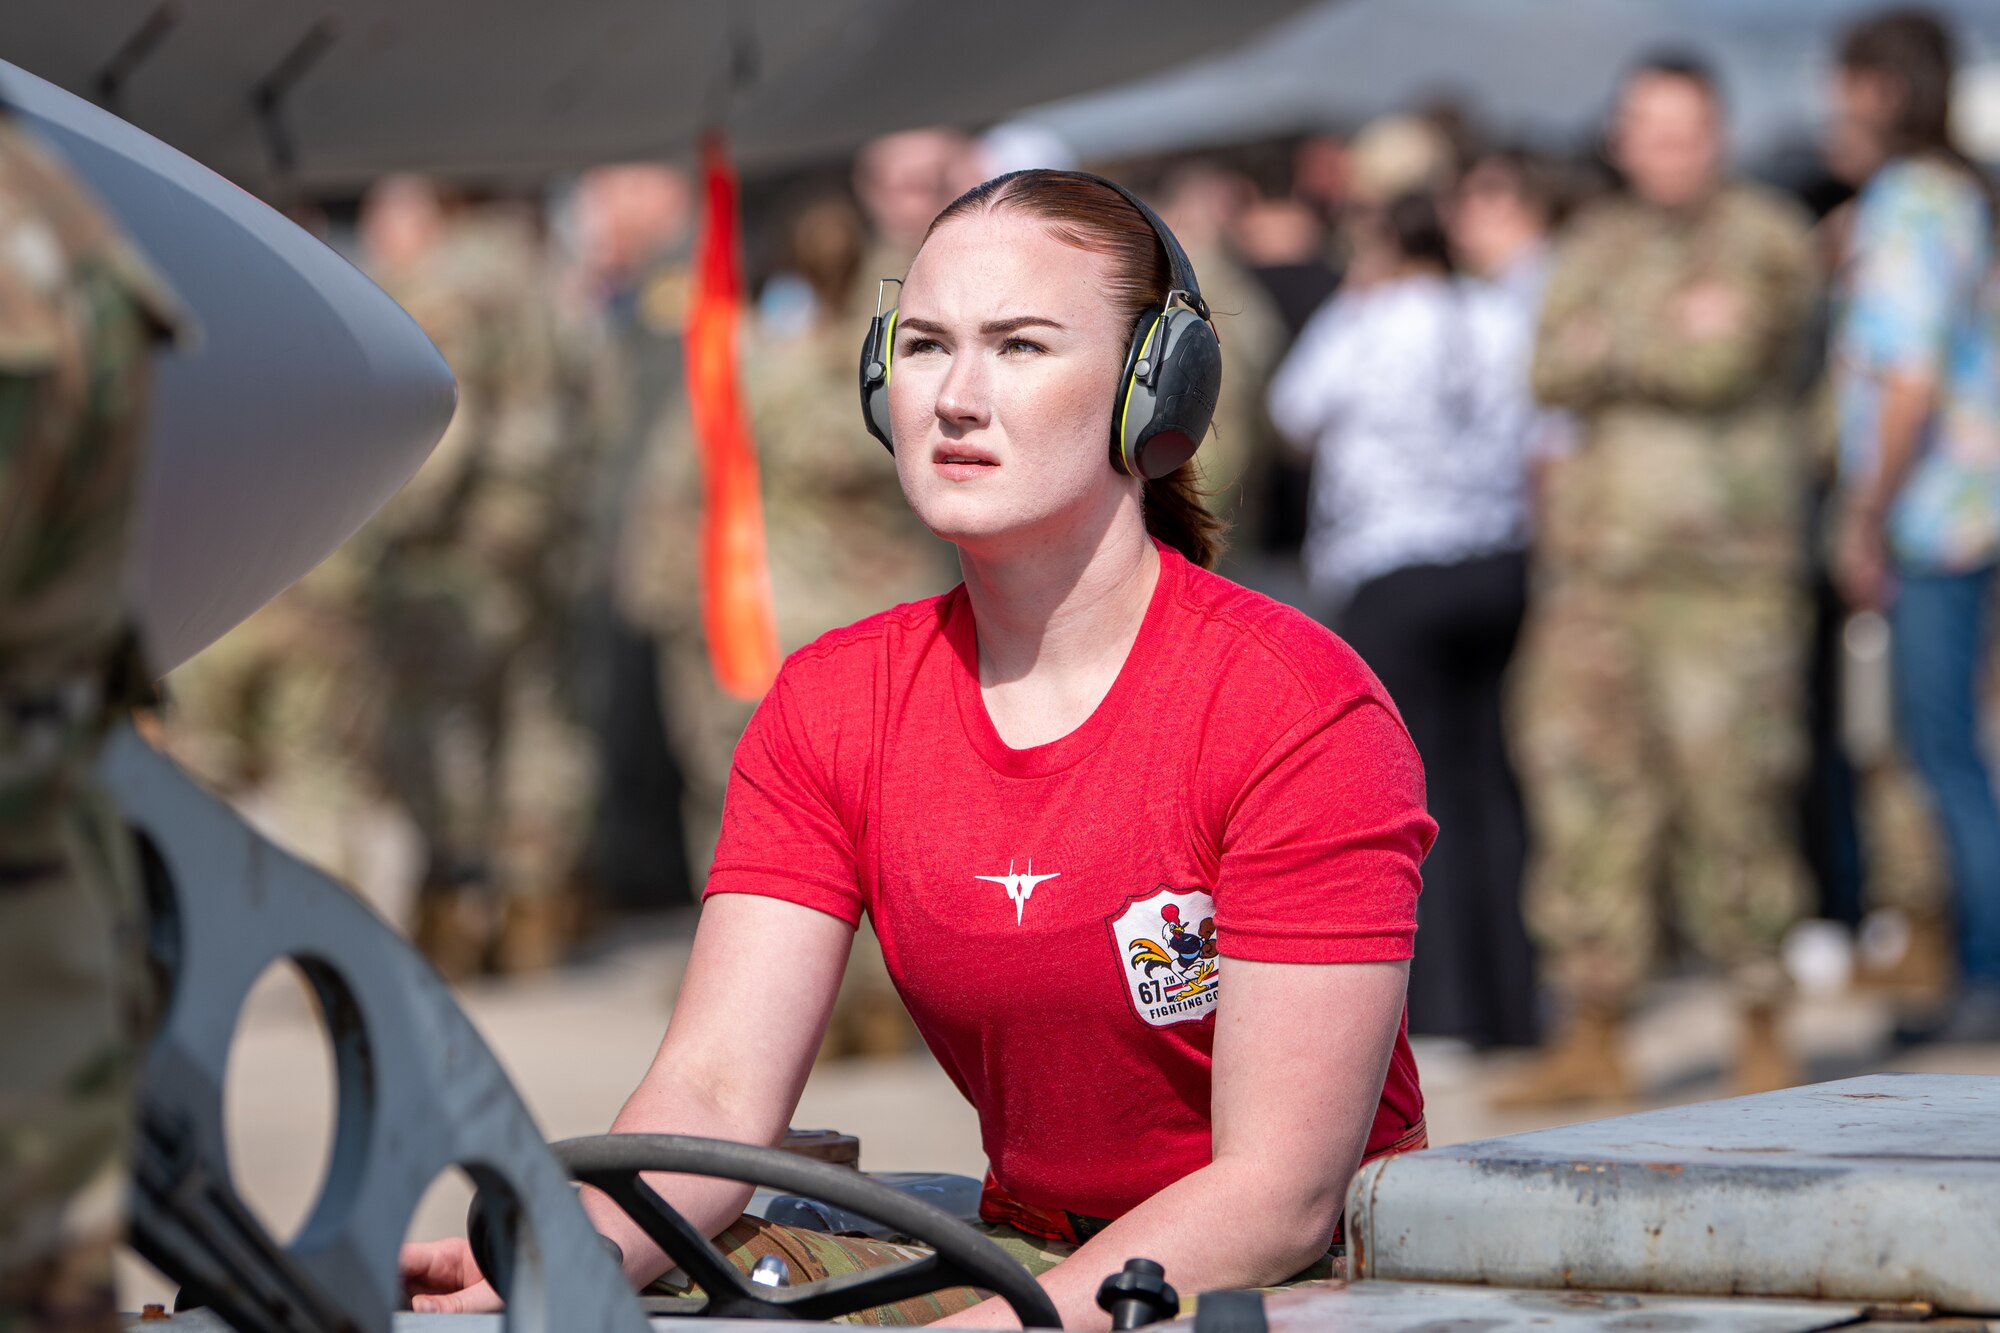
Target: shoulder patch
<point x="1167" y="956"/>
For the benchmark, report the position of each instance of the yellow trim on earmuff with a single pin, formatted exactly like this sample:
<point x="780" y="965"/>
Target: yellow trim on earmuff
<point x="889" y="346"/>
<point x="1125" y="412"/>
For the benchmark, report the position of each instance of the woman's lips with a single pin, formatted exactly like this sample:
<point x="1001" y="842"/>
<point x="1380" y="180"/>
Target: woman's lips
<point x="963" y="464"/>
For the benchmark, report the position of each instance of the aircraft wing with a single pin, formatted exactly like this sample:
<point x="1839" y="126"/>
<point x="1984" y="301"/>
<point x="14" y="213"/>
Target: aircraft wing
<point x="311" y="397"/>
<point x="302" y="399"/>
<point x="514" y="89"/>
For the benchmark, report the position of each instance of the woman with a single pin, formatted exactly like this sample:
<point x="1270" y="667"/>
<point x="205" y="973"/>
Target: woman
<point x="1052" y="789"/>
<point x="1411" y="391"/>
<point x="1916" y="366"/>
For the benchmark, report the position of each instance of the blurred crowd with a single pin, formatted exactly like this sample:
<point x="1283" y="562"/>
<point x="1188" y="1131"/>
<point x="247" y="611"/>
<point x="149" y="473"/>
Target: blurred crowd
<point x="1665" y="502"/>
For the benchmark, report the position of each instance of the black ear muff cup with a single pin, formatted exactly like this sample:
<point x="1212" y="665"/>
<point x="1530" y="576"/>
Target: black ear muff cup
<point x="876" y="351"/>
<point x="1173" y="375"/>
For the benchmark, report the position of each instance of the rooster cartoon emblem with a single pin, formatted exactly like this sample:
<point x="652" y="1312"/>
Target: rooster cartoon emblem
<point x="1187" y="956"/>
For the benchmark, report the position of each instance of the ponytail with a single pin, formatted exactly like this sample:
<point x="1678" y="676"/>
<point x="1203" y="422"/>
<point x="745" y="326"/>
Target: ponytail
<point x="1177" y="514"/>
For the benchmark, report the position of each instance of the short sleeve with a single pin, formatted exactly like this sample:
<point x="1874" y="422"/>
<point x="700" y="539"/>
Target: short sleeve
<point x="1909" y="249"/>
<point x="782" y="831"/>
<point x="1322" y="851"/>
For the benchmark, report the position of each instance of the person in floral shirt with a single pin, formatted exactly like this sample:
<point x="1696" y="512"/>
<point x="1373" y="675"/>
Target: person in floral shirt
<point x="1917" y="364"/>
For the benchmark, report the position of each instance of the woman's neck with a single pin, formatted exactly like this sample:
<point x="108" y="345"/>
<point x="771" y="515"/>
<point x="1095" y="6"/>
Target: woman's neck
<point x="1055" y="624"/>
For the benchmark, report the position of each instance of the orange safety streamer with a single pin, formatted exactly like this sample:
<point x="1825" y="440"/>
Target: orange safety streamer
<point x="735" y="576"/>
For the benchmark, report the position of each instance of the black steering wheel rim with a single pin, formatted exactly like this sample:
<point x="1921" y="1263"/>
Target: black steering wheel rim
<point x="613" y="1163"/>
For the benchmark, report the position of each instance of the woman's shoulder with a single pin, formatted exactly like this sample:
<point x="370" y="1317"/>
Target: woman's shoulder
<point x="1271" y="656"/>
<point x="1286" y="700"/>
<point x="858" y="651"/>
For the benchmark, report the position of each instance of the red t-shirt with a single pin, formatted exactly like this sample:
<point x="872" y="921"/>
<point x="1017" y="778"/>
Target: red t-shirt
<point x="1057" y="919"/>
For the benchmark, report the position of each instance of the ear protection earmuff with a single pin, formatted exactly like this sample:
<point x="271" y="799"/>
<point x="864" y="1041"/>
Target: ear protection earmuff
<point x="1173" y="370"/>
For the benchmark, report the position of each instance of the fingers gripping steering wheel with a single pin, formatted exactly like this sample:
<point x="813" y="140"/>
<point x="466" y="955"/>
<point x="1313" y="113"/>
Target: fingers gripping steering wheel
<point x="613" y="1162"/>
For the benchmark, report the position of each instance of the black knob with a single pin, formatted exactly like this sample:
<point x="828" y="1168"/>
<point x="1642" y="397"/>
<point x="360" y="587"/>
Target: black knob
<point x="1230" y="1312"/>
<point x="1138" y="1296"/>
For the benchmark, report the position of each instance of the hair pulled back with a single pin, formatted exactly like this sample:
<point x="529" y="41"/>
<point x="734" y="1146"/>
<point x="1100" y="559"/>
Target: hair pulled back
<point x="1414" y="225"/>
<point x="1088" y="215"/>
<point x="1912" y="49"/>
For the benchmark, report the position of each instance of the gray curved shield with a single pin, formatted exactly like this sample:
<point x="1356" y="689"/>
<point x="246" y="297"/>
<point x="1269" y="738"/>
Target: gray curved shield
<point x="304" y="400"/>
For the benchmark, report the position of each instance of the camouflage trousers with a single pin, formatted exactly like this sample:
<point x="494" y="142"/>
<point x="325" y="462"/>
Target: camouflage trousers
<point x="71" y="1009"/>
<point x="483" y="752"/>
<point x="281" y="716"/>
<point x="811" y="1255"/>
<point x="703" y="725"/>
<point x="1660" y="736"/>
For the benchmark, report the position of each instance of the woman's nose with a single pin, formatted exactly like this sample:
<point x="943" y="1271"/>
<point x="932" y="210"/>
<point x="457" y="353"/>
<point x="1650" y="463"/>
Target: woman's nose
<point x="962" y="397"/>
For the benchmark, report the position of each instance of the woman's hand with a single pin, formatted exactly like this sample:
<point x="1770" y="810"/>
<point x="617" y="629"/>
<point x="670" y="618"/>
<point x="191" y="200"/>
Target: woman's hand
<point x="440" y="1277"/>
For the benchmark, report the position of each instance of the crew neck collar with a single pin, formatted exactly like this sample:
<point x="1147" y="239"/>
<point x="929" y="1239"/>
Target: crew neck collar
<point x="1040" y="760"/>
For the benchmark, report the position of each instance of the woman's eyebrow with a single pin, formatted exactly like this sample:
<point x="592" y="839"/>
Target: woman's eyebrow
<point x="992" y="326"/>
<point x="1019" y="322"/>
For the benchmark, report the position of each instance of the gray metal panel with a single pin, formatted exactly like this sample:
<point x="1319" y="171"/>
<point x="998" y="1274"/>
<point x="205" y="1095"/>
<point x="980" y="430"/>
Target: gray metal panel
<point x="306" y="398"/>
<point x="1538" y="69"/>
<point x="1385" y="1307"/>
<point x="1885" y="1188"/>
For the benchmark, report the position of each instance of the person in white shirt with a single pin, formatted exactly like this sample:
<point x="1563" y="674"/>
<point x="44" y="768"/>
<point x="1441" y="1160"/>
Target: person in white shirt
<point x="1411" y="395"/>
<point x="1501" y="216"/>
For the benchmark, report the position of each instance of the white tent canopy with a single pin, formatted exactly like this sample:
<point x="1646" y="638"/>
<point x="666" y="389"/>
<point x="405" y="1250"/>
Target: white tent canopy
<point x="1534" y="69"/>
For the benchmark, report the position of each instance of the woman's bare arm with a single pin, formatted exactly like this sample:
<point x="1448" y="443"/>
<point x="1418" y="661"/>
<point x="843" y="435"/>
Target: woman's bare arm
<point x="1301" y="1051"/>
<point x="753" y="1007"/>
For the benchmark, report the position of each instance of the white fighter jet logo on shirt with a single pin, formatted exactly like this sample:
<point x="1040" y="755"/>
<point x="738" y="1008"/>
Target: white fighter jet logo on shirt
<point x="1019" y="887"/>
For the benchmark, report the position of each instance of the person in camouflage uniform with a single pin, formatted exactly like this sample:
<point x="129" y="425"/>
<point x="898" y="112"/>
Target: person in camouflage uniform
<point x="841" y="541"/>
<point x="1661" y="706"/>
<point x="902" y="181"/>
<point x="469" y="582"/>
<point x="79" y="315"/>
<point x="1199" y="201"/>
<point x="632" y="280"/>
<point x="282" y="715"/>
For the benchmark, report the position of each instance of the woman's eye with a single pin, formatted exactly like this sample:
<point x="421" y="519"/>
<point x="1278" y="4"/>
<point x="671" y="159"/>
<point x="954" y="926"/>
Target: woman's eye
<point x="1017" y="346"/>
<point x="913" y="346"/>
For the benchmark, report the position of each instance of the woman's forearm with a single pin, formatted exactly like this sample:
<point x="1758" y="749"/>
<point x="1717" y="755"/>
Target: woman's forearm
<point x="708" y="1204"/>
<point x="1231" y="1224"/>
<point x="718" y="1077"/>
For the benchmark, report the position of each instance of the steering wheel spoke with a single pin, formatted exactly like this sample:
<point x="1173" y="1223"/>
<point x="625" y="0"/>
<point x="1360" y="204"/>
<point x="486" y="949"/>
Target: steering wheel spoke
<point x="617" y="1163"/>
<point x="693" y="1252"/>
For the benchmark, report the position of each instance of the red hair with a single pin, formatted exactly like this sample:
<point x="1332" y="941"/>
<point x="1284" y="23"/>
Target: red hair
<point x="1091" y="216"/>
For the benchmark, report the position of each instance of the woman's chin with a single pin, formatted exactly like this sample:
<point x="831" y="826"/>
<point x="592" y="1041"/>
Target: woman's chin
<point x="969" y="519"/>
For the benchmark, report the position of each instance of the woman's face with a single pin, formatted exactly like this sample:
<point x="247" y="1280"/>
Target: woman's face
<point x="1007" y="357"/>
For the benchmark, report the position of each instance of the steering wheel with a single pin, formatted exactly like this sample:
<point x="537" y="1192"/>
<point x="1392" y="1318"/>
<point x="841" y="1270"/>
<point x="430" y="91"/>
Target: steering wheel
<point x="960" y="1257"/>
